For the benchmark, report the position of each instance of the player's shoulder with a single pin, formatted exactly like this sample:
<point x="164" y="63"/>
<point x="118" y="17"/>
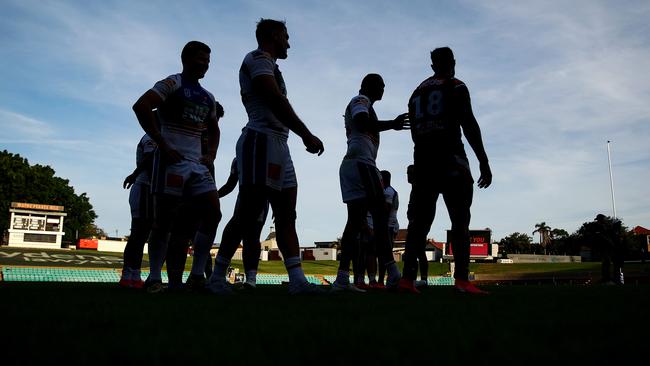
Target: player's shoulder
<point x="258" y="55"/>
<point x="174" y="80"/>
<point x="210" y="95"/>
<point x="360" y="100"/>
<point x="457" y="83"/>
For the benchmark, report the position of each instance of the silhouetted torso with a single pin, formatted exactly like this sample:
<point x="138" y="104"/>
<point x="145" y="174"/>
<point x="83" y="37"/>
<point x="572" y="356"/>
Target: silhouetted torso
<point x="260" y="115"/>
<point x="435" y="109"/>
<point x="183" y="117"/>
<point x="363" y="141"/>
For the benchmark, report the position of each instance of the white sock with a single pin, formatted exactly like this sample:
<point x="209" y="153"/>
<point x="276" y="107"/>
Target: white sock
<point x="296" y="275"/>
<point x="202" y="244"/>
<point x="343" y="277"/>
<point x="157" y="251"/>
<point x="221" y="265"/>
<point x="251" y="276"/>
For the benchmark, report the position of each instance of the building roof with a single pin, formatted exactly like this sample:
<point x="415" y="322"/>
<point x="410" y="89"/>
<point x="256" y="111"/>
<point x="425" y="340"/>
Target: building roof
<point x="640" y="230"/>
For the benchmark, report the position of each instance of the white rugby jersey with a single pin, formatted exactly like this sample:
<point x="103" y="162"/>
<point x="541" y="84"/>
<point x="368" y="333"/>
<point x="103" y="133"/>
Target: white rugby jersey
<point x="146" y="146"/>
<point x="363" y="141"/>
<point x="183" y="116"/>
<point x="260" y="115"/>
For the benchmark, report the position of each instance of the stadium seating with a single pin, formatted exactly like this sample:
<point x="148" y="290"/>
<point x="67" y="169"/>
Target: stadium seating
<point x="45" y="274"/>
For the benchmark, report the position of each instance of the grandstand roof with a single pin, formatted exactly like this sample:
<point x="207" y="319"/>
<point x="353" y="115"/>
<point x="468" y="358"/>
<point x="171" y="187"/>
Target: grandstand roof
<point x="640" y="230"/>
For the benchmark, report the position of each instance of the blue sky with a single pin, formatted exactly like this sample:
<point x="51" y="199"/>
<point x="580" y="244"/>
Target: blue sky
<point x="551" y="82"/>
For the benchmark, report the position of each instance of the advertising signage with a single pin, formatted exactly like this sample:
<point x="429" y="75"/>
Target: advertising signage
<point x="479" y="243"/>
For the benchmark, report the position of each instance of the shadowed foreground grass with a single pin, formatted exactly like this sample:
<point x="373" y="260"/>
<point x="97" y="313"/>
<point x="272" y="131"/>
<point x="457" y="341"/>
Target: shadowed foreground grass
<point x="71" y="323"/>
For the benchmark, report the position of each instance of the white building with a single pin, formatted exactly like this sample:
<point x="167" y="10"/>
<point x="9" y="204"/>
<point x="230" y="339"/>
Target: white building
<point x="33" y="225"/>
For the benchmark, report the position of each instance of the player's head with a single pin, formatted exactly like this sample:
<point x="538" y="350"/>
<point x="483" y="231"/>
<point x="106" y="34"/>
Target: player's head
<point x="273" y="34"/>
<point x="385" y="177"/>
<point x="196" y="59"/>
<point x="372" y="86"/>
<point x="442" y="61"/>
<point x="410" y="173"/>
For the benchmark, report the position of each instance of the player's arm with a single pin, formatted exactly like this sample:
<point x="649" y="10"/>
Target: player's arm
<point x="400" y="122"/>
<point x="143" y="108"/>
<point x="472" y="133"/>
<point x="214" y="134"/>
<point x="267" y="87"/>
<point x="229" y="186"/>
<point x="145" y="164"/>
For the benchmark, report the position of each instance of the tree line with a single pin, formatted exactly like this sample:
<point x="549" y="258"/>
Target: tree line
<point x="22" y="182"/>
<point x="556" y="241"/>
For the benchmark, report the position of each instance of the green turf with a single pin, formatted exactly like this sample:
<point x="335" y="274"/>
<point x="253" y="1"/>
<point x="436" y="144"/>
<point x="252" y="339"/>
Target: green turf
<point x="10" y="256"/>
<point x="538" y="325"/>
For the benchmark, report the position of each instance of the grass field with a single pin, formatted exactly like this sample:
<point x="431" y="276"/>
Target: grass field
<point x="100" y="324"/>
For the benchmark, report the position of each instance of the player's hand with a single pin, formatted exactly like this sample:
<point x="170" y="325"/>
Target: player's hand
<point x="170" y="154"/>
<point x="486" y="176"/>
<point x="313" y="144"/>
<point x="128" y="181"/>
<point x="402" y="122"/>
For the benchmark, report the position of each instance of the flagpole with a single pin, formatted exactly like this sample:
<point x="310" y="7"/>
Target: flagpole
<point x="611" y="178"/>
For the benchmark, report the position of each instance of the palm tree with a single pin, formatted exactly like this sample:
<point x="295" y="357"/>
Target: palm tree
<point x="544" y="231"/>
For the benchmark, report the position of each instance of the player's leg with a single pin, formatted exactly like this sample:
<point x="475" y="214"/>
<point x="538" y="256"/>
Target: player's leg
<point x="371" y="260"/>
<point x="251" y="200"/>
<point x="283" y="203"/>
<point x="140" y="230"/>
<point x="423" y="203"/>
<point x="165" y="207"/>
<point x="183" y="229"/>
<point x="382" y="268"/>
<point x="179" y="241"/>
<point x="458" y="199"/>
<point x="423" y="263"/>
<point x="209" y="210"/>
<point x="140" y="201"/>
<point x="357" y="213"/>
<point x="359" y="263"/>
<point x="382" y="240"/>
<point x="251" y="252"/>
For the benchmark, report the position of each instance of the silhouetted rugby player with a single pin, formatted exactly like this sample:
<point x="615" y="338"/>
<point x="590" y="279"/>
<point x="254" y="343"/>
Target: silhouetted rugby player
<point x="266" y="172"/>
<point x="141" y="203"/>
<point x="361" y="182"/>
<point x="438" y="109"/>
<point x="185" y="110"/>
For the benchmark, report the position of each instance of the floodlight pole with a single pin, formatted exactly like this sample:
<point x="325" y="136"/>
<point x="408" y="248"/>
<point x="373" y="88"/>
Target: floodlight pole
<point x="611" y="178"/>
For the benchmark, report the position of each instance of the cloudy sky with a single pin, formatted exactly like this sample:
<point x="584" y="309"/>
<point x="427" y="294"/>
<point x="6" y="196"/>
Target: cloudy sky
<point x="551" y="82"/>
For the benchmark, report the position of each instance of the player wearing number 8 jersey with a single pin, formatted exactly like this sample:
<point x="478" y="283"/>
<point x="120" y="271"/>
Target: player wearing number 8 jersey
<point x="438" y="109"/>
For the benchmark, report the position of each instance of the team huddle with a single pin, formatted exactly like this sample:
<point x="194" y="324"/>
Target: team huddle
<point x="174" y="198"/>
